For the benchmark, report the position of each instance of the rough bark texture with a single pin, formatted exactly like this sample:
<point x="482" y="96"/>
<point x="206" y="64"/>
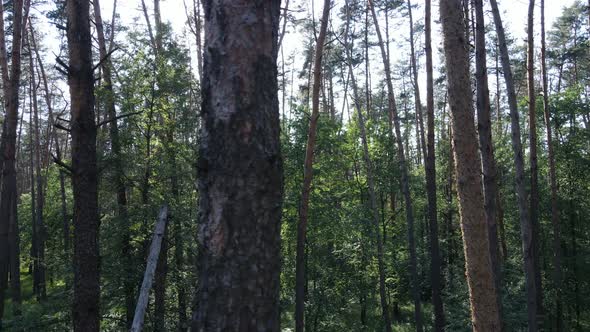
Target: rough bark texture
<point x="240" y="168"/>
<point x="480" y="275"/>
<point x="9" y="229"/>
<point x="525" y="221"/>
<point x="404" y="175"/>
<point x="84" y="178"/>
<point x="535" y="316"/>
<point x="557" y="268"/>
<point x="484" y="126"/>
<point x="435" y="263"/>
<point x="308" y="174"/>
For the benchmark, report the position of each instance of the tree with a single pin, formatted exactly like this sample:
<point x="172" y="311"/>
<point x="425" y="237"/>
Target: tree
<point x="85" y="307"/>
<point x="484" y="128"/>
<point x="119" y="174"/>
<point x="430" y="165"/>
<point x="393" y="116"/>
<point x="308" y="173"/>
<point x="557" y="268"/>
<point x="485" y="314"/>
<point x="9" y="228"/>
<point x="240" y="167"/>
<point x="536" y="304"/>
<point x="526" y="228"/>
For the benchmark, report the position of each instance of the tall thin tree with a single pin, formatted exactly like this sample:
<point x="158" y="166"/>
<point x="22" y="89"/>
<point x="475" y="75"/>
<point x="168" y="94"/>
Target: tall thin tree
<point x="557" y="268"/>
<point x="435" y="263"/>
<point x="484" y="128"/>
<point x="300" y="276"/>
<point x="534" y="317"/>
<point x="526" y="229"/>
<point x="404" y="174"/>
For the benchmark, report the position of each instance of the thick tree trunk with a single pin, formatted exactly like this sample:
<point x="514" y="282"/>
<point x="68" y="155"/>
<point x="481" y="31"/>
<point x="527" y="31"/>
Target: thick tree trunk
<point x="557" y="268"/>
<point x="9" y="229"/>
<point x="404" y="176"/>
<point x="85" y="176"/>
<point x="485" y="314"/>
<point x="240" y="167"/>
<point x="536" y="292"/>
<point x="435" y="264"/>
<point x="525" y="222"/>
<point x="484" y="126"/>
<point x="300" y="275"/>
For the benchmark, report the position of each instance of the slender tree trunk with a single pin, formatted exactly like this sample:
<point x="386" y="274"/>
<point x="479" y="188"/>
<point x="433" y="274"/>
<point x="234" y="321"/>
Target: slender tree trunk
<point x="418" y="101"/>
<point x="373" y="205"/>
<point x="484" y="126"/>
<point x="557" y="268"/>
<point x="119" y="176"/>
<point x="85" y="177"/>
<point x="404" y="176"/>
<point x="40" y="225"/>
<point x="48" y="102"/>
<point x="435" y="270"/>
<point x="240" y="167"/>
<point x="485" y="314"/>
<point x="526" y="228"/>
<point x="534" y="198"/>
<point x="34" y="233"/>
<point x="198" y="28"/>
<point x="300" y="276"/>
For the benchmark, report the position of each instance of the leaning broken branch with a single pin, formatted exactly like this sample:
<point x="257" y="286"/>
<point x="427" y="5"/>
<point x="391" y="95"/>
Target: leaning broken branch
<point x="150" y="270"/>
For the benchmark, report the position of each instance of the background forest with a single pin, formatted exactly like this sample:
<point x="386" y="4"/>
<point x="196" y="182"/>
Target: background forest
<point x="370" y="234"/>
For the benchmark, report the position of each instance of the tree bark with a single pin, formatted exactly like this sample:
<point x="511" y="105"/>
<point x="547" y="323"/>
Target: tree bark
<point x="85" y="176"/>
<point x="557" y="267"/>
<point x="484" y="126"/>
<point x="485" y="314"/>
<point x="404" y="175"/>
<point x="240" y="168"/>
<point x="300" y="275"/>
<point x="435" y="263"/>
<point x="525" y="221"/>
<point x="9" y="229"/>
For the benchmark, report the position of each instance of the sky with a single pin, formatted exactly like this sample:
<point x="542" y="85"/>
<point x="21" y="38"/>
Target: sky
<point x="514" y="14"/>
